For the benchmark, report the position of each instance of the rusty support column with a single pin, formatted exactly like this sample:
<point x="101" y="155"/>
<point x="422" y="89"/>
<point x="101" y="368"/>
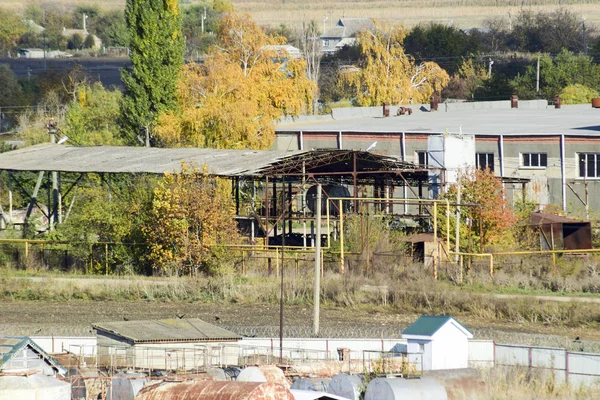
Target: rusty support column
<point x="275" y="214"/>
<point x="354" y="180"/>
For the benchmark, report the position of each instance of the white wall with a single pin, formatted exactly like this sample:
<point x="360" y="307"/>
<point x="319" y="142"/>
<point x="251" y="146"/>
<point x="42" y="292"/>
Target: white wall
<point x="80" y="345"/>
<point x="450" y="348"/>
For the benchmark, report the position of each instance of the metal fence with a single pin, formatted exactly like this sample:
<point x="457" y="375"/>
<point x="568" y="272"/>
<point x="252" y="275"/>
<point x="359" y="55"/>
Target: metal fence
<point x="571" y="367"/>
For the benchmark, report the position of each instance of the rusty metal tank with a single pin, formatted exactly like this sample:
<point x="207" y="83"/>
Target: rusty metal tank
<point x="347" y="386"/>
<point x="210" y="390"/>
<point x="264" y="373"/>
<point x="400" y="388"/>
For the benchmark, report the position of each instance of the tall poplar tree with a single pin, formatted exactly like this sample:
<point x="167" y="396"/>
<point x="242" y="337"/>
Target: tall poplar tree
<point x="157" y="48"/>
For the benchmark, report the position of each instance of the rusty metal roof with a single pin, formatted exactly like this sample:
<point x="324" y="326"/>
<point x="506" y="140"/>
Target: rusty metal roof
<point x="166" y="330"/>
<point x="10" y="346"/>
<point x="211" y="390"/>
<point x="541" y="218"/>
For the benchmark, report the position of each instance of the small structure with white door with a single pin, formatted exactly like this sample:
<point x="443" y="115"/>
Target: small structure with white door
<point x="442" y="341"/>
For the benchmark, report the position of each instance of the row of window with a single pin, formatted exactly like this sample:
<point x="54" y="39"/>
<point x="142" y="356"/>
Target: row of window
<point x="589" y="163"/>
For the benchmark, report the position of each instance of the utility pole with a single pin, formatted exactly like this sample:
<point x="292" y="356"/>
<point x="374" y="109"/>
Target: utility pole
<point x="317" y="289"/>
<point x="283" y="210"/>
<point x="203" y="18"/>
<point x="457" y="241"/>
<point x="584" y="37"/>
<point x="490" y="67"/>
<point x="537" y="77"/>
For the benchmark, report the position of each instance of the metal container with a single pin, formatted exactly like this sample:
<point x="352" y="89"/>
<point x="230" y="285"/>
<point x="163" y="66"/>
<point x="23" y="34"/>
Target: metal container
<point x="37" y="386"/>
<point x="400" y="388"/>
<point x="125" y="386"/>
<point x="347" y="386"/>
<point x="316" y="384"/>
<point x="264" y="373"/>
<point x="514" y="101"/>
<point x="596" y="102"/>
<point x="210" y="390"/>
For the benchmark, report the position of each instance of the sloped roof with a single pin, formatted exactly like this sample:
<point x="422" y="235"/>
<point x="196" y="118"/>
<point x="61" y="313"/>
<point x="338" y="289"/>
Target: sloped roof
<point x="428" y="325"/>
<point x="541" y="218"/>
<point x="167" y="330"/>
<point x="10" y="346"/>
<point x="348" y="27"/>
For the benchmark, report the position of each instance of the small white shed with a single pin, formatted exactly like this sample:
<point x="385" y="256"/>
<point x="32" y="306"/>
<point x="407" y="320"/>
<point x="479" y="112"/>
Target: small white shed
<point x="442" y="341"/>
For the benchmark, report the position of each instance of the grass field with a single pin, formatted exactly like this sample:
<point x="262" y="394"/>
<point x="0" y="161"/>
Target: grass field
<point x="461" y="13"/>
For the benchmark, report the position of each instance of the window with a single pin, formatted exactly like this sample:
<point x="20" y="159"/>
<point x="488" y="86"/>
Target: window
<point x="326" y="43"/>
<point x="485" y="160"/>
<point x="421" y="348"/>
<point x="589" y="165"/>
<point x="422" y="157"/>
<point x="534" y="160"/>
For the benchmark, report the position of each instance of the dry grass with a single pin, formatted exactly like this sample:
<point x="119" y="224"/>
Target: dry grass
<point x="461" y="13"/>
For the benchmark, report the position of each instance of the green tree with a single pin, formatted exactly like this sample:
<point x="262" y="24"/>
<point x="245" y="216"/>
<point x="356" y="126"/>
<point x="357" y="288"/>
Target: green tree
<point x="439" y="41"/>
<point x="112" y="29"/>
<point x="577" y="94"/>
<point x="196" y="39"/>
<point x="89" y="42"/>
<point x="92" y="119"/>
<point x="76" y="42"/>
<point x="10" y="90"/>
<point x="157" y="49"/>
<point x="11" y="29"/>
<point x="192" y="218"/>
<point x="555" y="74"/>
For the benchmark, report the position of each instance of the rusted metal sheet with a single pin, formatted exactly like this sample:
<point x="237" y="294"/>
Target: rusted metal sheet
<point x="558" y="232"/>
<point x="264" y="373"/>
<point x="209" y="390"/>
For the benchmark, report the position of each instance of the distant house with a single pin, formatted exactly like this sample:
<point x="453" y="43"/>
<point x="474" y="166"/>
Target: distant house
<point x="442" y="341"/>
<point x="284" y="50"/>
<point x="31" y="53"/>
<point x="169" y="344"/>
<point x="19" y="354"/>
<point x="68" y="33"/>
<point x="344" y="33"/>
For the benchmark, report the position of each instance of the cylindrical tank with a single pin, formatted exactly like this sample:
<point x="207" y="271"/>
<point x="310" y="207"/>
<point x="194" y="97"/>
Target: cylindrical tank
<point x="214" y="391"/>
<point x="264" y="373"/>
<point x="314" y="384"/>
<point x="596" y="102"/>
<point x="514" y="101"/>
<point x="124" y="386"/>
<point x="400" y="388"/>
<point x="556" y="102"/>
<point x="328" y="191"/>
<point x="347" y="386"/>
<point x="223" y="374"/>
<point x="33" y="387"/>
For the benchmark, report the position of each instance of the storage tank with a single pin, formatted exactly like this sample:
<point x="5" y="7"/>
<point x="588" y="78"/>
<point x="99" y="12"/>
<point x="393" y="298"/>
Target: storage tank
<point x="33" y="387"/>
<point x="328" y="191"/>
<point x="400" y="388"/>
<point x="223" y="374"/>
<point x="315" y="384"/>
<point x="347" y="386"/>
<point x="214" y="391"/>
<point x="125" y="386"/>
<point x="264" y="373"/>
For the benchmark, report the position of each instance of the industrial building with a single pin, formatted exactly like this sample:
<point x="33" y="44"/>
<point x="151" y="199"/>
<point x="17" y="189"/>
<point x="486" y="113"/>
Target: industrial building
<point x="555" y="151"/>
<point x="169" y="344"/>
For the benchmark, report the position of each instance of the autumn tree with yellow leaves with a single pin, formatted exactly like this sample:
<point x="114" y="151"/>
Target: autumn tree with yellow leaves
<point x="192" y="218"/>
<point x="385" y="73"/>
<point x="233" y="99"/>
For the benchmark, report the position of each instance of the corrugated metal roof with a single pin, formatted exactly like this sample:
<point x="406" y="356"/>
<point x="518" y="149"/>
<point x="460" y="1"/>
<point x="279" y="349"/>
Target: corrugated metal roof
<point x="113" y="159"/>
<point x="572" y="120"/>
<point x="167" y="330"/>
<point x="10" y="346"/>
<point x="541" y="218"/>
<point x="428" y="325"/>
<point x="347" y="27"/>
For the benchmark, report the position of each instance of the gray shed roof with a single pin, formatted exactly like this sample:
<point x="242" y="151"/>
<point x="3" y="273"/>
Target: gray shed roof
<point x="575" y="120"/>
<point x="166" y="330"/>
<point x="112" y="159"/>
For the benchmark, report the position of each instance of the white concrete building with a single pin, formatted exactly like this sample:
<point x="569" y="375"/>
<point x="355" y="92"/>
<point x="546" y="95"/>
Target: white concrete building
<point x="442" y="341"/>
